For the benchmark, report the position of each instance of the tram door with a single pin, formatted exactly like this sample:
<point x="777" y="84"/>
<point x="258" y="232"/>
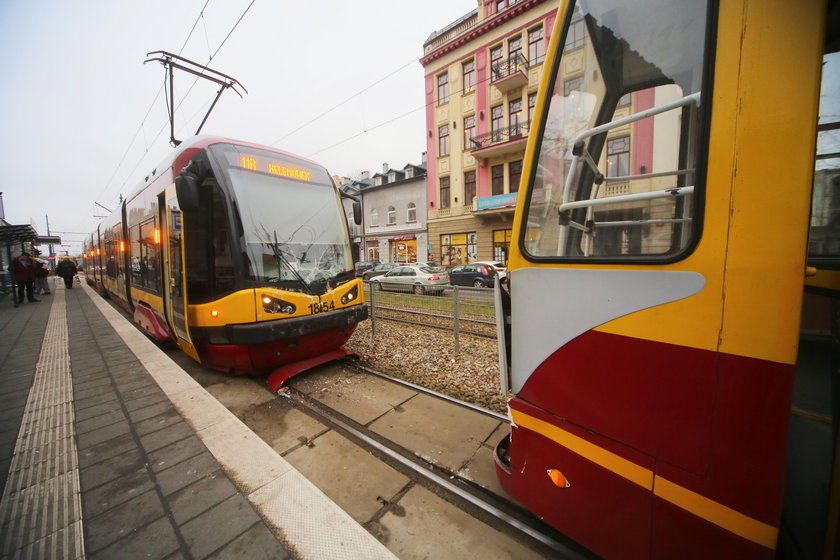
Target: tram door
<point x="177" y="288"/>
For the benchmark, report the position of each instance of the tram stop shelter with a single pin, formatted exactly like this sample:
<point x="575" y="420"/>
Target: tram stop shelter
<point x="10" y="238"/>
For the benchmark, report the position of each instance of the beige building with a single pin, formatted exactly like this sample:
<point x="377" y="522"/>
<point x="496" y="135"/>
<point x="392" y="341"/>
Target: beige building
<point x="481" y="77"/>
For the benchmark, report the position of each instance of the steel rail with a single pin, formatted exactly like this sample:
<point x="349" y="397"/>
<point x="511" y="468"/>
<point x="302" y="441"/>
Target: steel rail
<point x="440" y="327"/>
<point x="421" y="389"/>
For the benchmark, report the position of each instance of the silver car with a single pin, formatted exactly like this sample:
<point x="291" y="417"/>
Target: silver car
<point x="417" y="279"/>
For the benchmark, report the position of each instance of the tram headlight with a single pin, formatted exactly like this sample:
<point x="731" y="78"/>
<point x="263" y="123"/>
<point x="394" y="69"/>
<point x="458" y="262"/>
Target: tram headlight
<point x="350" y="296"/>
<point x="276" y="305"/>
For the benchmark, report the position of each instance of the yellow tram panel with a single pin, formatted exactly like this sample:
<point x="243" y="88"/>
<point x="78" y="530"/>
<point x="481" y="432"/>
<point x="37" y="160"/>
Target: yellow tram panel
<point x="236" y="308"/>
<point x="742" y="141"/>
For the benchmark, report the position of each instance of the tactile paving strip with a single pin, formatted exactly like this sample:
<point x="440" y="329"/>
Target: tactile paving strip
<point x="41" y="511"/>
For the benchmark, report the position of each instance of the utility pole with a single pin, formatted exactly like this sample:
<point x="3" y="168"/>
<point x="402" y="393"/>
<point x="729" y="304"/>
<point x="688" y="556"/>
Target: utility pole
<point x="50" y="260"/>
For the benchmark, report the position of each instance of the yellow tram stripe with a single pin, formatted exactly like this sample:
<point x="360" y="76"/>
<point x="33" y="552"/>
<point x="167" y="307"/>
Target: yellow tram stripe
<point x="717" y="513"/>
<point x="619" y="465"/>
<point x="697" y="504"/>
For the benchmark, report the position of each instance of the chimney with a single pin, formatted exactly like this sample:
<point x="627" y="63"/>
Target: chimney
<point x="385" y="168"/>
<point x="365" y="176"/>
<point x="423" y="159"/>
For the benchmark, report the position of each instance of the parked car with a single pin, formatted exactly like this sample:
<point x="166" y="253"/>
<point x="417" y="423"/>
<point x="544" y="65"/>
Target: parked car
<point x="417" y="279"/>
<point x="362" y="266"/>
<point x="474" y="274"/>
<point x="378" y="270"/>
<point x="498" y="266"/>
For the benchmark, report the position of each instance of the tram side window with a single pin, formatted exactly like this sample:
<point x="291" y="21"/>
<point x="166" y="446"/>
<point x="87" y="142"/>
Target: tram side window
<point x="610" y="184"/>
<point x="209" y="262"/>
<point x="145" y="268"/>
<point x="824" y="242"/>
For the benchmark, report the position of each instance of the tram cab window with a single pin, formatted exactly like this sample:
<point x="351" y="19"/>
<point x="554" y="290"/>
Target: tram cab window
<point x="824" y="242"/>
<point x="609" y="184"/>
<point x="207" y="246"/>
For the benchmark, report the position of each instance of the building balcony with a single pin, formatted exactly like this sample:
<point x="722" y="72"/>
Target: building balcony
<point x="510" y="74"/>
<point x="500" y="142"/>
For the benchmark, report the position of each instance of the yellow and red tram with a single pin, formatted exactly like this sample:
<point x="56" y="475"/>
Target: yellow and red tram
<point x="238" y="253"/>
<point x="660" y="281"/>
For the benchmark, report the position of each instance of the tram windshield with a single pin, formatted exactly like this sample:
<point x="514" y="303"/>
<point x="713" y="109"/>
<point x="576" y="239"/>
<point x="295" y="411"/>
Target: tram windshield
<point x="293" y="225"/>
<point x="618" y="159"/>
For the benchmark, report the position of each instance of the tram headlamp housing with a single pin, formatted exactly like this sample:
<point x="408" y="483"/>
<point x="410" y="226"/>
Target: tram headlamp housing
<point x="276" y="305"/>
<point x="350" y="296"/>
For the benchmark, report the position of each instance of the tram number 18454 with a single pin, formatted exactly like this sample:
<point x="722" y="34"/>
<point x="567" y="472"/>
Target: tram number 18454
<point x="321" y="307"/>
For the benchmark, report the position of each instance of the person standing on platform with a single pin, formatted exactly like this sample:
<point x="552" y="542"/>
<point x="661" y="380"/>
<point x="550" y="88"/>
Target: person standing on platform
<point x="23" y="269"/>
<point x="42" y="285"/>
<point x="67" y="270"/>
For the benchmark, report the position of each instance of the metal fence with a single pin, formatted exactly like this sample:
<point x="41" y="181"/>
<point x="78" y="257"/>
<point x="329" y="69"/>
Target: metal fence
<point x="461" y="310"/>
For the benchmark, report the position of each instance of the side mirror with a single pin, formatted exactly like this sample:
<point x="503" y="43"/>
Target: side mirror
<point x="186" y="189"/>
<point x="357" y="212"/>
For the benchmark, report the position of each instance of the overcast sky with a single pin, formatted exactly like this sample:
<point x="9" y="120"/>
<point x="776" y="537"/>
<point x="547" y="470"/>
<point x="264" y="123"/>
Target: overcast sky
<point x="83" y="119"/>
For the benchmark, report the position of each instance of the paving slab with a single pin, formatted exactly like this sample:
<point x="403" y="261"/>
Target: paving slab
<point x="359" y="482"/>
<point x="443" y="434"/>
<point x="429" y="527"/>
<point x="358" y="396"/>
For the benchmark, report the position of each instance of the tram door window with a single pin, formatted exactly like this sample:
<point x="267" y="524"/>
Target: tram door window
<point x="176" y="269"/>
<point x="622" y="177"/>
<point x="824" y="246"/>
<point x="145" y="269"/>
<point x="208" y="256"/>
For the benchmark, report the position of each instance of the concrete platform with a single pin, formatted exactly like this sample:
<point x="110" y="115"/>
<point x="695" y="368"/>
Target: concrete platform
<point x="108" y="449"/>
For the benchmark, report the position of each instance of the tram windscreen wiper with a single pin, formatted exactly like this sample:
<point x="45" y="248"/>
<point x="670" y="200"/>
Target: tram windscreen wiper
<point x="278" y="254"/>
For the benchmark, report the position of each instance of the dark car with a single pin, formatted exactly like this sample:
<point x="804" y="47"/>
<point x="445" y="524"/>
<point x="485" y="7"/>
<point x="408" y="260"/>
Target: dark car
<point x="475" y="275"/>
<point x="362" y="266"/>
<point x="378" y="270"/>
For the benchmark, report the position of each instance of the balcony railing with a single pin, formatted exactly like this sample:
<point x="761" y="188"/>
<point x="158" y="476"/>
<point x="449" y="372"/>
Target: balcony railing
<point x="500" y="136"/>
<point x="504" y="68"/>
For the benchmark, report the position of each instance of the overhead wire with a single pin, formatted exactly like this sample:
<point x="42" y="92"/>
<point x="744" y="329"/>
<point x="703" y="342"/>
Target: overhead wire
<point x="140" y="128"/>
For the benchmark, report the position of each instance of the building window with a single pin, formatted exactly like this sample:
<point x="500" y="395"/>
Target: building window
<point x="469" y="76"/>
<point x="577" y="32"/>
<point x="444" y="192"/>
<point x="515" y="114"/>
<point x="624" y="100"/>
<point x="374" y="217"/>
<point x="514" y="50"/>
<point x="409" y="172"/>
<point x="497" y="179"/>
<point x="500" y="5"/>
<point x="536" y="46"/>
<point x="469" y="132"/>
<point x="469" y="187"/>
<point x="575" y="84"/>
<point x="532" y="105"/>
<point x="443" y="88"/>
<point x="515" y="174"/>
<point x="458" y="248"/>
<point x="496" y="122"/>
<point x="501" y="244"/>
<point x="392" y="215"/>
<point x="443" y="140"/>
<point x="411" y="214"/>
<point x="495" y="60"/>
<point x="618" y="157"/>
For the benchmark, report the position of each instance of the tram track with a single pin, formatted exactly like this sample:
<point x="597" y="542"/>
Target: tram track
<point x="481" y="502"/>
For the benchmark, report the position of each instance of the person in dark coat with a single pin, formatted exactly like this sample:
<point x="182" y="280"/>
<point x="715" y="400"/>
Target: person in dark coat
<point x="23" y="269"/>
<point x="42" y="285"/>
<point x="67" y="270"/>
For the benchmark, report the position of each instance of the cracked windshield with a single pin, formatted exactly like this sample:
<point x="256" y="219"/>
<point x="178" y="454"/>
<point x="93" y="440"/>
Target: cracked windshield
<point x="296" y="245"/>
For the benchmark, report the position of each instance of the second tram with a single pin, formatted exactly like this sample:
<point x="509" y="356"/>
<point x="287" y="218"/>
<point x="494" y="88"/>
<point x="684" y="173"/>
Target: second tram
<point x="238" y="253"/>
<point x="674" y="282"/>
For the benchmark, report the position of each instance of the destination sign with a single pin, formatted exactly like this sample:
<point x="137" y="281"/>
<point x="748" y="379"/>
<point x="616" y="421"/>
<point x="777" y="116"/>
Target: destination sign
<point x="253" y="163"/>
